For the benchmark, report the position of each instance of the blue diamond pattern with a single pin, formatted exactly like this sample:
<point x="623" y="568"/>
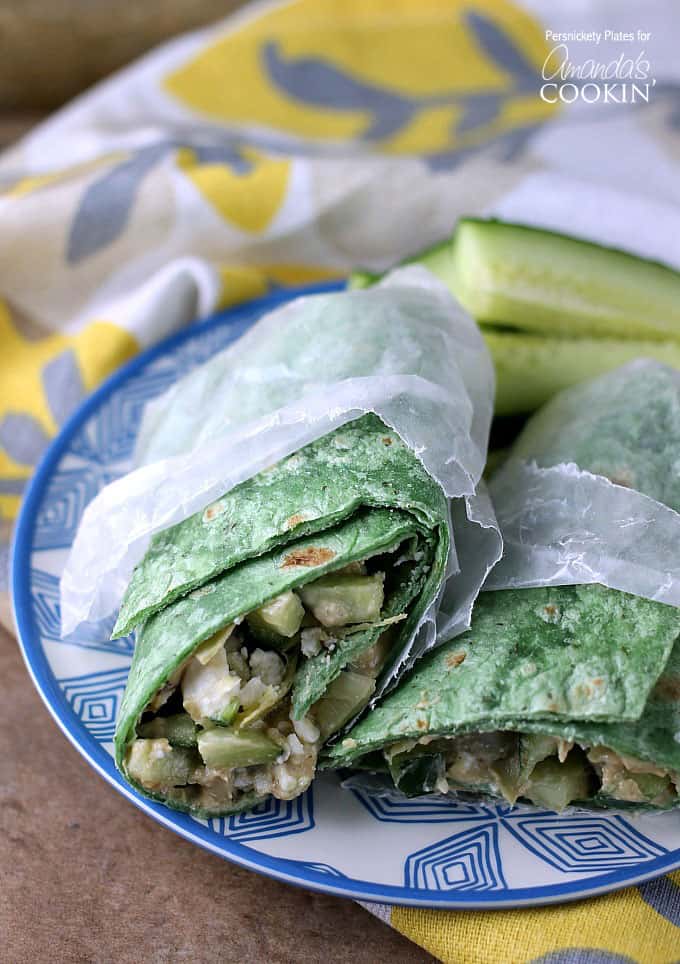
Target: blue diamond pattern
<point x="273" y="818"/>
<point x="94" y="698"/>
<point x="67" y="495"/>
<point x="394" y="808"/>
<point x="47" y="613"/>
<point x="583" y="843"/>
<point x="466" y="861"/>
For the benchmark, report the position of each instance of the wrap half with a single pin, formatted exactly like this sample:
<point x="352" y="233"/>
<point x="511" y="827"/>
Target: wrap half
<point x="568" y="690"/>
<point x="266" y="618"/>
<point x="556" y="696"/>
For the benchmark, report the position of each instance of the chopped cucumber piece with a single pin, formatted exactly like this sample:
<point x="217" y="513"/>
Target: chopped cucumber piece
<point x="223" y="749"/>
<point x="339" y="599"/>
<point x="209" y="691"/>
<point x="156" y="765"/>
<point x="282" y="616"/>
<point x="555" y="785"/>
<point x="532" y="367"/>
<point x="178" y="730"/>
<point x="346" y="695"/>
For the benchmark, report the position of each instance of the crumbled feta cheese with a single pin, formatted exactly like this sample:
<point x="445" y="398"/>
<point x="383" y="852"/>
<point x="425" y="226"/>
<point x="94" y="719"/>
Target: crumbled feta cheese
<point x="208" y="690"/>
<point x="306" y="730"/>
<point x="310" y="641"/>
<point x="238" y="665"/>
<point x="286" y="781"/>
<point x="294" y="745"/>
<point x="268" y="665"/>
<point x="252" y="692"/>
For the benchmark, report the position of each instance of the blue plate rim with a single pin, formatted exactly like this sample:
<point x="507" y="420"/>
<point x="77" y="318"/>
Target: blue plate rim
<point x="274" y="867"/>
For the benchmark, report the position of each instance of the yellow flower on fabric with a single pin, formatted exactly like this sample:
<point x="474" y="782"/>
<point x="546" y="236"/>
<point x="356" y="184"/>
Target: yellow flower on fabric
<point x="426" y="77"/>
<point x="43" y="377"/>
<point x="623" y="923"/>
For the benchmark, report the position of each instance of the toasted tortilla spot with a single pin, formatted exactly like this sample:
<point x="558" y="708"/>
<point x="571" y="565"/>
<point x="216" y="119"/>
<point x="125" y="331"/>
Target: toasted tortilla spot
<point x="421" y="724"/>
<point x="668" y="689"/>
<point x="312" y="556"/>
<point x="213" y="511"/>
<point x="624" y="478"/>
<point x="455" y="659"/>
<point x="387" y="440"/>
<point x="295" y="520"/>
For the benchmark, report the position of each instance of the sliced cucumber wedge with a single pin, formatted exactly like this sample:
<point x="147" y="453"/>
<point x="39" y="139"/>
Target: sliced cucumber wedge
<point x="526" y="278"/>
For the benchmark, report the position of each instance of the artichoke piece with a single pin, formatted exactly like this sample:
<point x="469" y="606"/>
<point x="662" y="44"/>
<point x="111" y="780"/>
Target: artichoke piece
<point x="222" y="749"/>
<point x="555" y="785"/>
<point x="156" y="765"/>
<point x="210" y="691"/>
<point x="271" y="695"/>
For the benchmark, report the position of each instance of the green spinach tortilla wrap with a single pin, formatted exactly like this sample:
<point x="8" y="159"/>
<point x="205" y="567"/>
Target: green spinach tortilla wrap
<point x="268" y="617"/>
<point x="328" y="562"/>
<point x="566" y="692"/>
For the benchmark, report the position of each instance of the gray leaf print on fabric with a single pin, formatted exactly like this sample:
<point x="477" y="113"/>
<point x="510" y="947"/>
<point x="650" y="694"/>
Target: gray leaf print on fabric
<point x="500" y="48"/>
<point x="314" y="81"/>
<point x="12" y="486"/>
<point x="106" y="204"/>
<point x="320" y="84"/>
<point x="583" y="955"/>
<point x="22" y="438"/>
<point x="63" y="385"/>
<point x="664" y="896"/>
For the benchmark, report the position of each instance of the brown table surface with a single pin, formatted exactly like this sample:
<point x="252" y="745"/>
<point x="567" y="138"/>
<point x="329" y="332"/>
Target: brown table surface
<point x="85" y="876"/>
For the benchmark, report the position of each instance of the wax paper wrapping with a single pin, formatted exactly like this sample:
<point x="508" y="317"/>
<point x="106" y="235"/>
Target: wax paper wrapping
<point x="404" y="350"/>
<point x="591" y="491"/>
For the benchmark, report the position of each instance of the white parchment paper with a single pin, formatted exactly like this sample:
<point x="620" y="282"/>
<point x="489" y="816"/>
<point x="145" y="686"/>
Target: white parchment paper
<point x="591" y="491"/>
<point x="405" y="350"/>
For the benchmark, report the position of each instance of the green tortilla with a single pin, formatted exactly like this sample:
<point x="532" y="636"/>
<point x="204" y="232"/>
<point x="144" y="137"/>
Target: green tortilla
<point x="531" y="655"/>
<point x="586" y="664"/>
<point x="356" y="493"/>
<point x="624" y="426"/>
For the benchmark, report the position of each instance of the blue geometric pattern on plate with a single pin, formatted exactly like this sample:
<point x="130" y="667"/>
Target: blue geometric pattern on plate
<point x="386" y="849"/>
<point x="273" y="818"/>
<point x="94" y="699"/>
<point x="392" y="808"/>
<point x="47" y="612"/>
<point x="584" y="842"/>
<point x="67" y="495"/>
<point x="466" y="861"/>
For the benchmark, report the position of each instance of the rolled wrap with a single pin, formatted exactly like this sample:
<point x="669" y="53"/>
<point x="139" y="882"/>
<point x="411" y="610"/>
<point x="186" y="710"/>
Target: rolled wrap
<point x="391" y="392"/>
<point x="589" y="494"/>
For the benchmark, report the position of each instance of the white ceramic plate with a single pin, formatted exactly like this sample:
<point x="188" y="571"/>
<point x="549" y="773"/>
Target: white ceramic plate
<point x="431" y="853"/>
